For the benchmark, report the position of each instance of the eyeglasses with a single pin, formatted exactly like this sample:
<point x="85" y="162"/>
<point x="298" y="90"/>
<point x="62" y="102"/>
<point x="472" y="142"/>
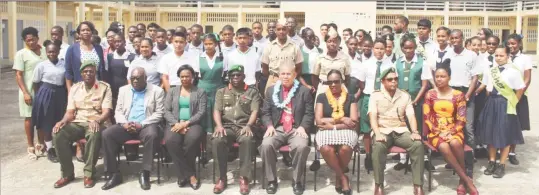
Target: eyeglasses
<point x="392" y="79"/>
<point x="336" y="82"/>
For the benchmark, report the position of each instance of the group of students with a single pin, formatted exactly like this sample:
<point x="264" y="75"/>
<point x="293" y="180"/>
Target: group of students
<point x="180" y="84"/>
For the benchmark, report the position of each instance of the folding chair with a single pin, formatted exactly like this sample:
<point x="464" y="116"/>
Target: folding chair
<point x="431" y="148"/>
<point x="237" y="145"/>
<point x="136" y="142"/>
<point x="282" y="149"/>
<point x="201" y="157"/>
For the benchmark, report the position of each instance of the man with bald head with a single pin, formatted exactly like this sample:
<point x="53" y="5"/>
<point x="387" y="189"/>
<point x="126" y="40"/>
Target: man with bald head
<point x="138" y="113"/>
<point x="464" y="73"/>
<point x="287" y="114"/>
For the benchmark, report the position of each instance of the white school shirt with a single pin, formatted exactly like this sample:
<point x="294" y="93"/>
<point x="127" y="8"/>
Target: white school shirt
<point x="448" y="53"/>
<point x="63" y="51"/>
<point x="511" y="76"/>
<point x="198" y="49"/>
<point x="226" y="50"/>
<point x="365" y="58"/>
<point x="150" y="66"/>
<point x="355" y="66"/>
<point x="260" y="44"/>
<point x="209" y="61"/>
<point x="522" y="62"/>
<point x="170" y="63"/>
<point x="48" y="72"/>
<point x="313" y="56"/>
<point x="249" y="60"/>
<point x="368" y="72"/>
<point x="463" y="68"/>
<point x="161" y="53"/>
<point x="426" y="72"/>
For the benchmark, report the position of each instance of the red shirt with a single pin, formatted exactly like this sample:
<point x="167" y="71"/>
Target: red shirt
<point x="287" y="118"/>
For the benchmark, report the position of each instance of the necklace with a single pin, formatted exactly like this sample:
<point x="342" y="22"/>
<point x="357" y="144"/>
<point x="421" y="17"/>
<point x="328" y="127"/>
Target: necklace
<point x="287" y="100"/>
<point x="337" y="104"/>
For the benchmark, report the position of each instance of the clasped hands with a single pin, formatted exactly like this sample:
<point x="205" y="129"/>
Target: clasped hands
<point x="182" y="127"/>
<point x="132" y="127"/>
<point x="329" y="124"/>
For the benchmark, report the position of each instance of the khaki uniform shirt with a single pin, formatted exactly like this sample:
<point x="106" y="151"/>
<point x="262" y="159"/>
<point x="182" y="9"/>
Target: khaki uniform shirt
<point x="326" y="63"/>
<point x="390" y="111"/>
<point x="236" y="106"/>
<point x="88" y="104"/>
<point x="276" y="55"/>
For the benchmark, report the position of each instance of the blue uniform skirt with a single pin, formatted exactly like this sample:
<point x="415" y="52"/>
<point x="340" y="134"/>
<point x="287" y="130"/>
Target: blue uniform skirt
<point x="523" y="112"/>
<point x="49" y="106"/>
<point x="496" y="127"/>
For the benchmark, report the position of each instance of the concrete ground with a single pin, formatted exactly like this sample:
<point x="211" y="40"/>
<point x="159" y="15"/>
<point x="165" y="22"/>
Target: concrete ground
<point x="19" y="175"/>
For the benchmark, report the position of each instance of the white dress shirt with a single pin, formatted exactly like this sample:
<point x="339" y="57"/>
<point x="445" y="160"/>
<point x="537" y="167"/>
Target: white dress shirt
<point x="161" y="53"/>
<point x="250" y="60"/>
<point x="463" y="68"/>
<point x="170" y="63"/>
<point x="368" y="72"/>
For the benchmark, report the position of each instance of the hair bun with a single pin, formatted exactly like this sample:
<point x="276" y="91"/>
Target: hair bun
<point x="446" y="63"/>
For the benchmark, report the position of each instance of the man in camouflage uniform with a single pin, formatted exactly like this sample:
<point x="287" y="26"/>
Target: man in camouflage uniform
<point x="235" y="114"/>
<point x="88" y="109"/>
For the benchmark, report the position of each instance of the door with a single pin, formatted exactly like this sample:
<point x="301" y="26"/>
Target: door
<point x="505" y="34"/>
<point x="5" y="42"/>
<point x="208" y="29"/>
<point x="19" y="40"/>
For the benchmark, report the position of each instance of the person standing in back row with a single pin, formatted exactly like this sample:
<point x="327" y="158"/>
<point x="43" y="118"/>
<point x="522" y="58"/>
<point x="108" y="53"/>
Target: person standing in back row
<point x="292" y="24"/>
<point x="401" y="28"/>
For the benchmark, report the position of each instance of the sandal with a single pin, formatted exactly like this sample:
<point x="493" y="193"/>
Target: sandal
<point x="31" y="153"/>
<point x="39" y="150"/>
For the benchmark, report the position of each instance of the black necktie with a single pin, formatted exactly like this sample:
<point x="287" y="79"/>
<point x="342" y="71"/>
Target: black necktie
<point x="501" y="68"/>
<point x="423" y="43"/>
<point x="490" y="59"/>
<point x="513" y="58"/>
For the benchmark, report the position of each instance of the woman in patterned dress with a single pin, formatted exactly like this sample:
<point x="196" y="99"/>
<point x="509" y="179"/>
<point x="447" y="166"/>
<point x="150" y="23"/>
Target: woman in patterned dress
<point x="25" y="61"/>
<point x="210" y="69"/>
<point x="336" y="117"/>
<point x="444" y="113"/>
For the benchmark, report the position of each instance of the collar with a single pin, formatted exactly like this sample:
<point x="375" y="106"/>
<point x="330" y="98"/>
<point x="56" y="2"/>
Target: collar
<point x="340" y="55"/>
<point x="518" y="54"/>
<point x="429" y="40"/>
<point x="295" y="37"/>
<point x="462" y="53"/>
<point x="448" y="48"/>
<point x="287" y="89"/>
<point x="115" y="55"/>
<point x="414" y="60"/>
<point x="397" y="94"/>
<point x="245" y="87"/>
<point x="156" y="48"/>
<point x="241" y="52"/>
<point x="306" y="49"/>
<point x="263" y="39"/>
<point x="143" y="91"/>
<point x="191" y="46"/>
<point x="223" y="46"/>
<point x="154" y="57"/>
<point x="276" y="42"/>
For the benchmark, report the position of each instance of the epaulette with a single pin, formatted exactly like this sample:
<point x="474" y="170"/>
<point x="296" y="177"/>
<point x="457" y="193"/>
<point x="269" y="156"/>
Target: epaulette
<point x="104" y="83"/>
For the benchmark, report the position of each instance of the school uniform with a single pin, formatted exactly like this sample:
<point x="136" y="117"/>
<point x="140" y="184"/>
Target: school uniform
<point x="197" y="49"/>
<point x="150" y="65"/>
<point x="523" y="63"/>
<point x="250" y="60"/>
<point x="499" y="124"/>
<point x="355" y="73"/>
<point x="296" y="39"/>
<point x="309" y="60"/>
<point x="161" y="53"/>
<point x="440" y="55"/>
<point x="171" y="62"/>
<point x="50" y="101"/>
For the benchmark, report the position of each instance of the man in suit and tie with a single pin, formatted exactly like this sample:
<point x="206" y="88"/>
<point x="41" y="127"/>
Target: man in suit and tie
<point x="139" y="111"/>
<point x="287" y="113"/>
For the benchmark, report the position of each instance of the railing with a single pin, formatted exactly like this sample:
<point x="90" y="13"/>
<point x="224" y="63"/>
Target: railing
<point x="455" y="5"/>
<point x="530" y="5"/>
<point x="216" y="4"/>
<point x="3" y="6"/>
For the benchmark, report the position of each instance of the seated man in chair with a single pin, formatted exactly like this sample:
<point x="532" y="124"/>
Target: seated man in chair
<point x="287" y="113"/>
<point x="387" y="109"/>
<point x="236" y="110"/>
<point x="139" y="111"/>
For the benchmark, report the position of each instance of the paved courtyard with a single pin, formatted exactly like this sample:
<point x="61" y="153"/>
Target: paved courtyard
<point x="22" y="176"/>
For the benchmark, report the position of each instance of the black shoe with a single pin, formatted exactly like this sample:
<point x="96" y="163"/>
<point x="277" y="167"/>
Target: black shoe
<point x="399" y="166"/>
<point x="298" y="188"/>
<point x="315" y="166"/>
<point x="144" y="180"/>
<point x="499" y="172"/>
<point x="195" y="186"/>
<point x="448" y="166"/>
<point x="183" y="183"/>
<point x="368" y="162"/>
<point x="338" y="190"/>
<point x="113" y="181"/>
<point x="429" y="166"/>
<point x="51" y="155"/>
<point x="491" y="167"/>
<point x="513" y="160"/>
<point x="272" y="187"/>
<point x="287" y="160"/>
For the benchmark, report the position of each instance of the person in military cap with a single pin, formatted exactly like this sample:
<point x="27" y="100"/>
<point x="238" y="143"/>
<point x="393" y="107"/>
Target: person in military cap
<point x="235" y="113"/>
<point x="88" y="110"/>
<point x="388" y="108"/>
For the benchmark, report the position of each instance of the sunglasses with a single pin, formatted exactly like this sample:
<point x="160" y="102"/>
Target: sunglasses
<point x="392" y="79"/>
<point x="336" y="82"/>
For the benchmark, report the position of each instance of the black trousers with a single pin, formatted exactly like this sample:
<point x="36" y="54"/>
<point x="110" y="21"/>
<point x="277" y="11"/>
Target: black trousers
<point x="183" y="149"/>
<point x="115" y="136"/>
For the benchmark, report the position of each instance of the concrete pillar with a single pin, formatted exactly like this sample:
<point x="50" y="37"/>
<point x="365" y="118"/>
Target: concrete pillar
<point x="519" y="18"/>
<point x="120" y="14"/>
<point x="537" y="42"/>
<point x="525" y="34"/>
<point x="446" y="14"/>
<point x="82" y="12"/>
<point x="199" y="12"/>
<point x="475" y="24"/>
<point x="240" y="18"/>
<point x="105" y="16"/>
<point x="485" y="19"/>
<point x="132" y="21"/>
<point x="158" y="15"/>
<point x="90" y="14"/>
<point x="12" y="28"/>
<point x="51" y="17"/>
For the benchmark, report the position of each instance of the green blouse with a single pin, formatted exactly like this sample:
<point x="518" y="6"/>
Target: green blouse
<point x="185" y="112"/>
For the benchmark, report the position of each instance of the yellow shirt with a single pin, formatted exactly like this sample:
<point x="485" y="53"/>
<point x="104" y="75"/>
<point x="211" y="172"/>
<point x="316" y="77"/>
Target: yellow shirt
<point x="391" y="111"/>
<point x="326" y="63"/>
<point x="88" y="104"/>
<point x="276" y="55"/>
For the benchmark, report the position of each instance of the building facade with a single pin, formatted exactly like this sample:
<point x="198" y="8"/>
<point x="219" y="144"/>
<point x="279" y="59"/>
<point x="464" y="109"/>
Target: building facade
<point x="503" y="17"/>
